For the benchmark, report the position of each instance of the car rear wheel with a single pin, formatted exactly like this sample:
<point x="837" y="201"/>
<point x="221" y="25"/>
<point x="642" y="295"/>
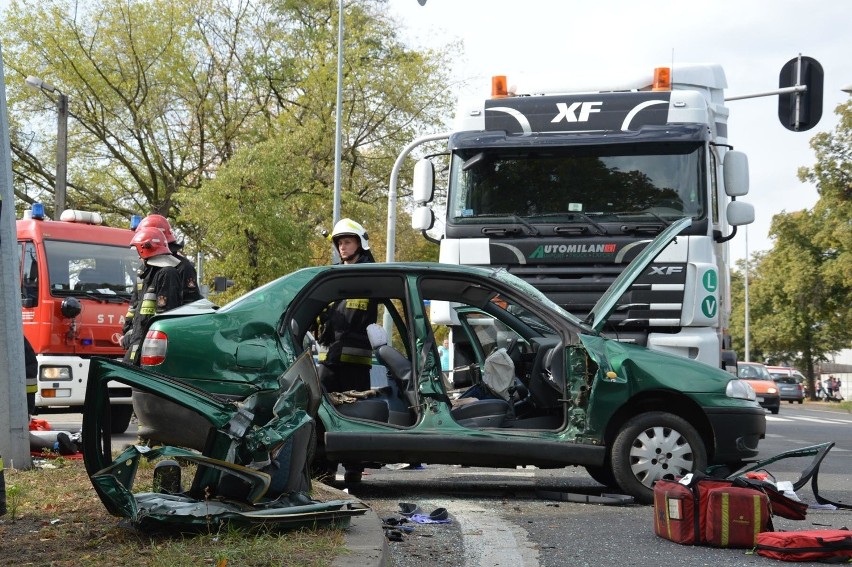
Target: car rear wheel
<point x="652" y="445"/>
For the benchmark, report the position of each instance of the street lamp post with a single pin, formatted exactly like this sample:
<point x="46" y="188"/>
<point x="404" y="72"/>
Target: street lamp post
<point x="61" y="139"/>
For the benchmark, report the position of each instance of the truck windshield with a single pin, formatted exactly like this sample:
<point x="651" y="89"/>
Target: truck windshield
<point x="584" y="184"/>
<point x="85" y="268"/>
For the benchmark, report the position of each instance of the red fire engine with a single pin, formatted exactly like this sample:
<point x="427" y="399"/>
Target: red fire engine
<point x="76" y="278"/>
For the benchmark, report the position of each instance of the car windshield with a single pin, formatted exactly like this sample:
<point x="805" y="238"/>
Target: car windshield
<point x="582" y="184"/>
<point x="753" y="372"/>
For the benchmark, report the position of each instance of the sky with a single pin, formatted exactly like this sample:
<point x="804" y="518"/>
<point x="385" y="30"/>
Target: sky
<point x="751" y="39"/>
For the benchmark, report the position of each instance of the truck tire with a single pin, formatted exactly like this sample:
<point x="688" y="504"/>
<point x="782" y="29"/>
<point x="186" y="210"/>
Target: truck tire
<point x="119" y="418"/>
<point x="652" y="445"/>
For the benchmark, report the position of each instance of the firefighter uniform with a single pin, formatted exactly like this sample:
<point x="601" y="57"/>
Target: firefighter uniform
<point x="160" y="292"/>
<point x="344" y="349"/>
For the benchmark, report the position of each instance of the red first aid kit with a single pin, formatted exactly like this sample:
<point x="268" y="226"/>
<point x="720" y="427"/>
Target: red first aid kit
<point x="710" y="512"/>
<point x="829" y="546"/>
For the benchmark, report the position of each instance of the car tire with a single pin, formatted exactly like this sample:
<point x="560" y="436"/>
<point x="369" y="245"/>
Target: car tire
<point x="652" y="445"/>
<point x="119" y="418"/>
<point x="602" y="475"/>
<point x="775" y="410"/>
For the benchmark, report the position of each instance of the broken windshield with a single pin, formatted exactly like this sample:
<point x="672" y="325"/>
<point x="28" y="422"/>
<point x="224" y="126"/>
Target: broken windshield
<point x="590" y="184"/>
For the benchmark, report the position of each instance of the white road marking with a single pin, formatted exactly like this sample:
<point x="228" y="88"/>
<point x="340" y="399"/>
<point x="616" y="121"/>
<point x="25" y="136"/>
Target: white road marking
<point x="490" y="541"/>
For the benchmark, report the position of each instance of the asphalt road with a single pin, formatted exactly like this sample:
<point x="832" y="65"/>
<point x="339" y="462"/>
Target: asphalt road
<point x="499" y="519"/>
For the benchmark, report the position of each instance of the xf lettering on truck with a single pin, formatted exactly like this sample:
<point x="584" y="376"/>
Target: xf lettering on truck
<point x="569" y="113"/>
<point x="665" y="270"/>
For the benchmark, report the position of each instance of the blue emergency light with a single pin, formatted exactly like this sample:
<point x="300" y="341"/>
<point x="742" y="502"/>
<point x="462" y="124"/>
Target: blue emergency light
<point x="134" y="221"/>
<point x="38" y="211"/>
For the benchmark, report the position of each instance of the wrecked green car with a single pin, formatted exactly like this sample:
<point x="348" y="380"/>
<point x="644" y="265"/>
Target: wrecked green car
<point x="627" y="414"/>
<point x="253" y="471"/>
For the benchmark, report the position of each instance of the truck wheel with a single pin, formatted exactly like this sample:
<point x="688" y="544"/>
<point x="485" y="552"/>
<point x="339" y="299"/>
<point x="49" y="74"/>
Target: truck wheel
<point x="652" y="445"/>
<point x="119" y="418"/>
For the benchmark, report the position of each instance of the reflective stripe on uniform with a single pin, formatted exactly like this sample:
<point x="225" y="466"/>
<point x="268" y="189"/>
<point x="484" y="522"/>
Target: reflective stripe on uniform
<point x="148" y="306"/>
<point x="352" y="359"/>
<point x="32" y="385"/>
<point x="361" y="304"/>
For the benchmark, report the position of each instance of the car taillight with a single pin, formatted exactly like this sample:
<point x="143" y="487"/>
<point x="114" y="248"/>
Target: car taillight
<point x="154" y="348"/>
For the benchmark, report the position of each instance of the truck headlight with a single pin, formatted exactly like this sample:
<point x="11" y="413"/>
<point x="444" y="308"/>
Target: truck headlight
<point x="740" y="389"/>
<point x="48" y="373"/>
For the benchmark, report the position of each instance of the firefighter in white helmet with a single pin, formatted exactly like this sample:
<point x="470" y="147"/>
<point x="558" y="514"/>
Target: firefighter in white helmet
<point x="345" y="354"/>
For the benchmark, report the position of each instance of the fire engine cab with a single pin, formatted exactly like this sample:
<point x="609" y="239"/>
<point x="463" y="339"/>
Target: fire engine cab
<point x="76" y="279"/>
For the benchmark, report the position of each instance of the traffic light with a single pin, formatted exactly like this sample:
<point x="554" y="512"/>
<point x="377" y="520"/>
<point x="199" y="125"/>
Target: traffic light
<point x="800" y="111"/>
<point x="221" y="283"/>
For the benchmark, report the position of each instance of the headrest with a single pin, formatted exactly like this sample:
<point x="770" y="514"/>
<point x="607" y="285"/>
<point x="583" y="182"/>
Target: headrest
<point x="377" y="335"/>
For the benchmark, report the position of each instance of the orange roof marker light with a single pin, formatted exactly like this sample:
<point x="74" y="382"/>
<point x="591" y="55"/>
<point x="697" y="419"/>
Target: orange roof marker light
<point x="662" y="79"/>
<point x="499" y="88"/>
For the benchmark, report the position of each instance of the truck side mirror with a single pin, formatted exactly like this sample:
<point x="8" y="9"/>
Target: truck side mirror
<point x="423" y="218"/>
<point x="423" y="190"/>
<point x="736" y="173"/>
<point x="70" y="307"/>
<point x="740" y="213"/>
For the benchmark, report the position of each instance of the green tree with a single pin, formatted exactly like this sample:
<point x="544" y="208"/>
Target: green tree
<point x="391" y="94"/>
<point x="157" y="96"/>
<point x="164" y="95"/>
<point x="800" y="291"/>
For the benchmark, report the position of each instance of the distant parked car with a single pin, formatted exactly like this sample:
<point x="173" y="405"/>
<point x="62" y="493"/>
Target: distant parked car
<point x="764" y="386"/>
<point x="791" y="383"/>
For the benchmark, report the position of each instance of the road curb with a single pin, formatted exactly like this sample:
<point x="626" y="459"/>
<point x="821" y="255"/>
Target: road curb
<point x="366" y="545"/>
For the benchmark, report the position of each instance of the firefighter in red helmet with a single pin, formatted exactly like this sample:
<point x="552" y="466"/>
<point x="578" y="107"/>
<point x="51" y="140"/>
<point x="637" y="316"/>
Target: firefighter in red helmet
<point x="160" y="290"/>
<point x="186" y="271"/>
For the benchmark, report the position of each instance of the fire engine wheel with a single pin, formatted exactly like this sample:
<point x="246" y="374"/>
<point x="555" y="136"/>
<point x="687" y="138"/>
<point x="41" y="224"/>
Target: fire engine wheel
<point x="652" y="445"/>
<point x="119" y="418"/>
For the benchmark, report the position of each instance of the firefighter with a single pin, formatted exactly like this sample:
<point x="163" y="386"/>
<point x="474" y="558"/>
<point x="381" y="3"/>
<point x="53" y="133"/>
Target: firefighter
<point x="344" y="349"/>
<point x="161" y="286"/>
<point x="186" y="270"/>
<point x="345" y="354"/>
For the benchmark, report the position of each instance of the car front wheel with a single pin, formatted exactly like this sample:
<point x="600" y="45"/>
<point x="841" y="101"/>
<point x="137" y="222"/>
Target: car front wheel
<point x="652" y="445"/>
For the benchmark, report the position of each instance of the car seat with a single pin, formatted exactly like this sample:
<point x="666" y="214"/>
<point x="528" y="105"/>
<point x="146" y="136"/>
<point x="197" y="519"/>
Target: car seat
<point x="402" y="399"/>
<point x="491" y="407"/>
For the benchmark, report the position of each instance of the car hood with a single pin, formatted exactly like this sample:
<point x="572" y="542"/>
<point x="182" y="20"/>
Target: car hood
<point x="600" y="313"/>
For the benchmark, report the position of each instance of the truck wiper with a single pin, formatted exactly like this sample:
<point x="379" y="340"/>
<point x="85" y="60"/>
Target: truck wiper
<point x="648" y="228"/>
<point x="106" y="295"/>
<point x="585" y="218"/>
<point x="532" y="231"/>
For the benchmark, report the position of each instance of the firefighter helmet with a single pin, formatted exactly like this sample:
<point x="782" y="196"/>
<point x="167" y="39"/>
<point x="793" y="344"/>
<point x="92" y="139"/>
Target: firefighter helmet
<point x="150" y="241"/>
<point x="348" y="227"/>
<point x="158" y="221"/>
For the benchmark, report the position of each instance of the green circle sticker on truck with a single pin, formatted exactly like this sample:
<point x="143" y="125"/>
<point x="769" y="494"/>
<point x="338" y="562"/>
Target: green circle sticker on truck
<point x="709" y="306"/>
<point x="710" y="280"/>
